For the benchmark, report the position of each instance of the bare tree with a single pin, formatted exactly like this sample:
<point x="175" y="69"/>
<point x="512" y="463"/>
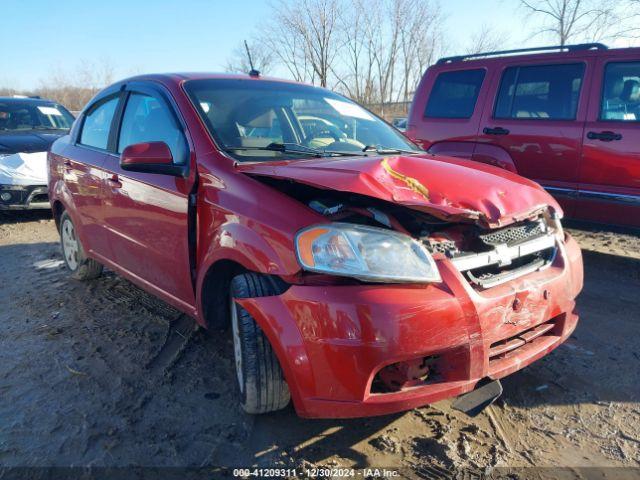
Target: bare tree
<point x="386" y="47"/>
<point x="569" y="20"/>
<point x="630" y="25"/>
<point x="355" y="76"/>
<point x="420" y="38"/>
<point x="74" y="88"/>
<point x="303" y="35"/>
<point x="374" y="51"/>
<point x="262" y="57"/>
<point x="486" y="39"/>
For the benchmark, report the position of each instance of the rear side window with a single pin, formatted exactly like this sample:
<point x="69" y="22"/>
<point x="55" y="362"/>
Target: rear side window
<point x="97" y="123"/>
<point x="546" y="92"/>
<point x="621" y="93"/>
<point x="454" y="94"/>
<point x="147" y="119"/>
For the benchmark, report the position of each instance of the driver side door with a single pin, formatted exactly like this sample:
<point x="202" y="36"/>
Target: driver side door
<point x="147" y="214"/>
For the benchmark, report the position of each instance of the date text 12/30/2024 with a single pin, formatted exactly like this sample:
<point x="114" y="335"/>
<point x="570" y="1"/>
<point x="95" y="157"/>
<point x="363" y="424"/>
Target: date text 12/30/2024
<point x="315" y="473"/>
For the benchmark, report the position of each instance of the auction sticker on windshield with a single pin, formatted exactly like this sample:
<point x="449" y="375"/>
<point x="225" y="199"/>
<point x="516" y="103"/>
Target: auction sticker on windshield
<point x="349" y="109"/>
<point x="49" y="110"/>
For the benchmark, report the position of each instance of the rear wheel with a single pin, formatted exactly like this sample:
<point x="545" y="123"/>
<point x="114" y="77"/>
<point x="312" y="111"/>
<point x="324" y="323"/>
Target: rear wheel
<point x="260" y="378"/>
<point x="81" y="267"/>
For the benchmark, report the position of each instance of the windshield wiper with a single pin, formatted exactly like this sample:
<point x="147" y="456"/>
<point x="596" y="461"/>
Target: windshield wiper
<point x="294" y="148"/>
<point x="387" y="150"/>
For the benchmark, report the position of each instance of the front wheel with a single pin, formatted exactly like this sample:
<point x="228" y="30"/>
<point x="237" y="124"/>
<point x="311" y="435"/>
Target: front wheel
<point x="260" y="378"/>
<point x="81" y="267"/>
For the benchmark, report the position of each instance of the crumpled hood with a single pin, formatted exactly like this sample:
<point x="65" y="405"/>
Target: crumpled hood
<point x="446" y="187"/>
<point x="24" y="169"/>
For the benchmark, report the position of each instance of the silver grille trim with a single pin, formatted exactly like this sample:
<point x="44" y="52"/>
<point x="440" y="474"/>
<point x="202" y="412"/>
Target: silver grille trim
<point x="503" y="255"/>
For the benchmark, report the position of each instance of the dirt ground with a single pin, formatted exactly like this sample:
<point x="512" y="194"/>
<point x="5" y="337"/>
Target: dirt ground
<point x="102" y="374"/>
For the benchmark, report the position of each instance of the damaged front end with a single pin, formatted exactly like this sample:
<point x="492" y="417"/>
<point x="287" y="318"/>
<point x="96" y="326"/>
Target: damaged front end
<point x="486" y="256"/>
<point x="488" y="288"/>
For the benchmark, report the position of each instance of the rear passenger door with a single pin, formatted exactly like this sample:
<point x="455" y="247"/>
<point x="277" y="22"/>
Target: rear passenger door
<point x="147" y="213"/>
<point x="83" y="175"/>
<point x="609" y="188"/>
<point x="537" y="116"/>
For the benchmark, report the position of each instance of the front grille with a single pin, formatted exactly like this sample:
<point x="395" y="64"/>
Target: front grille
<point x="23" y="194"/>
<point x="498" y="256"/>
<point x="18" y="195"/>
<point x="513" y="235"/>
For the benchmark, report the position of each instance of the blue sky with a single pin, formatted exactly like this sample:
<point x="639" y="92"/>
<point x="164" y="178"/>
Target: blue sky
<point x="38" y="37"/>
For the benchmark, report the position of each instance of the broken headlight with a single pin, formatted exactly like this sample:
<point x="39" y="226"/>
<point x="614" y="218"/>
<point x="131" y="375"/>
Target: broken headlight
<point x="367" y="253"/>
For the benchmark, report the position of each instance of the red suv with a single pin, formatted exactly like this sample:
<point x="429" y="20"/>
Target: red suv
<point x="569" y="120"/>
<point x="359" y="275"/>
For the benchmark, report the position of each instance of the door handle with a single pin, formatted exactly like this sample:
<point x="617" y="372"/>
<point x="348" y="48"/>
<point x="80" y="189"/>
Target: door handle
<point x="495" y="131"/>
<point x="604" y="136"/>
<point x="114" y="181"/>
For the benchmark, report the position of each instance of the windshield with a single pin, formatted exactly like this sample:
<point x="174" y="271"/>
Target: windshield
<point x="18" y="115"/>
<point x="263" y="120"/>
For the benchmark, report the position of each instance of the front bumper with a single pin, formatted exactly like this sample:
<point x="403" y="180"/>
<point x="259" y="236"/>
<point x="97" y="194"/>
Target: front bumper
<point x="333" y="340"/>
<point x="24" y="197"/>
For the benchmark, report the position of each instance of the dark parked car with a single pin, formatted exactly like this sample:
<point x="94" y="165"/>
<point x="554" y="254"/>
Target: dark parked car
<point x="359" y="275"/>
<point x="400" y="123"/>
<point x="28" y="126"/>
<point x="566" y="117"/>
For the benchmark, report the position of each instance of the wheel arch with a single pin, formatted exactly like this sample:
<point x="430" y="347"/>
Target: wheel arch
<point x="58" y="208"/>
<point x="213" y="293"/>
<point x="478" y="152"/>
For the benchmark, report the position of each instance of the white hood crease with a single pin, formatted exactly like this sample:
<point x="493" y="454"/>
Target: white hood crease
<point x="24" y="169"/>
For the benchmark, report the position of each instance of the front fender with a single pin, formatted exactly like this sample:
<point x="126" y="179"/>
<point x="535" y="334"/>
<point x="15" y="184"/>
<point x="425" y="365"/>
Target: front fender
<point x="258" y="248"/>
<point x="246" y="246"/>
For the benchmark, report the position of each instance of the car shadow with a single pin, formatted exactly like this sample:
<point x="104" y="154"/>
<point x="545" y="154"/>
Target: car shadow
<point x="19" y="216"/>
<point x="284" y="434"/>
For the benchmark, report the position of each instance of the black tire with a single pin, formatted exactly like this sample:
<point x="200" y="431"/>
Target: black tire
<point x="80" y="266"/>
<point x="260" y="378"/>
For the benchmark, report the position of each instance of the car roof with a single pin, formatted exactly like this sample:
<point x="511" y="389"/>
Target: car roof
<point x="486" y="58"/>
<point x="180" y="77"/>
<point x="38" y="101"/>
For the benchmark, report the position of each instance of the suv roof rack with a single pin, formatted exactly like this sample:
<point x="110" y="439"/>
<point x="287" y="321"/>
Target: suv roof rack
<point x="568" y="48"/>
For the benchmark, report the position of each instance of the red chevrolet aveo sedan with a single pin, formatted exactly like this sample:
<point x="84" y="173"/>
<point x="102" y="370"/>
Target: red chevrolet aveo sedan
<point x="359" y="275"/>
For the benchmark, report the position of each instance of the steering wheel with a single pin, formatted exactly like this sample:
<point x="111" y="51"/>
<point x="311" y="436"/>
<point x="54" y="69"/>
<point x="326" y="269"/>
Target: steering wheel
<point x="323" y="132"/>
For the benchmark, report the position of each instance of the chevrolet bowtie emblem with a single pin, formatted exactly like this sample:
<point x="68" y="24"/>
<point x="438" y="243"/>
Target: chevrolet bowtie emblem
<point x="504" y="254"/>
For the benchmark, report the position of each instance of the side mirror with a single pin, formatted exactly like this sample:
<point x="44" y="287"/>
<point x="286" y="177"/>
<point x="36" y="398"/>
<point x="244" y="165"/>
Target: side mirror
<point x="151" y="157"/>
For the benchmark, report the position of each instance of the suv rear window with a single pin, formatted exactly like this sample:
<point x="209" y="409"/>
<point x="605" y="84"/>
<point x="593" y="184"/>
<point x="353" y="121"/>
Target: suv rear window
<point x="621" y="94"/>
<point x="454" y="94"/>
<point x="544" y="92"/>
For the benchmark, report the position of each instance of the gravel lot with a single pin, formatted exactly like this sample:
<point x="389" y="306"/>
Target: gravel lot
<point x="102" y="374"/>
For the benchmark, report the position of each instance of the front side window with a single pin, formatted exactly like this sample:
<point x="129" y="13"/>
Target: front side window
<point x="621" y="93"/>
<point x="260" y="120"/>
<point x="147" y="119"/>
<point x="16" y="115"/>
<point x="97" y="124"/>
<point x="547" y="92"/>
<point x="454" y="94"/>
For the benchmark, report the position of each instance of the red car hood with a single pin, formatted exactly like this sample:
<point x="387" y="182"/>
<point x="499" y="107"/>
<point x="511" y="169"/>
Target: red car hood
<point x="446" y="187"/>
